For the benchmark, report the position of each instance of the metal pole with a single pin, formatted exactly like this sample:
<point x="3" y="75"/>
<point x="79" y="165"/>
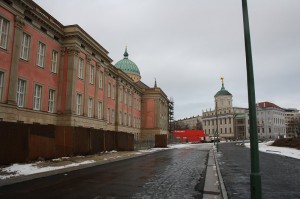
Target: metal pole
<point x="217" y="128"/>
<point x="255" y="178"/>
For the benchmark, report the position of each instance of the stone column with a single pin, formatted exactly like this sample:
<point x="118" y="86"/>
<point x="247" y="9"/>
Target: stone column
<point x="71" y="78"/>
<point x="61" y="80"/>
<point x="13" y="76"/>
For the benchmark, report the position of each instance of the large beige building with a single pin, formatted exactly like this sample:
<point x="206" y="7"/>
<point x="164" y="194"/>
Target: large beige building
<point x="225" y="120"/>
<point x="270" y="121"/>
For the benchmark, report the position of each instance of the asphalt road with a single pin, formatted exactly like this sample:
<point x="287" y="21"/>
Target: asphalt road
<point x="280" y="175"/>
<point x="174" y="173"/>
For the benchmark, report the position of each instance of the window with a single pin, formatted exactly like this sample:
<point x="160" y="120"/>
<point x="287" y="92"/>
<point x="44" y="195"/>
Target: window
<point x="54" y="61"/>
<point x="41" y="55"/>
<point x="21" y="93"/>
<point x="3" y="33"/>
<point x="120" y="117"/>
<point x="108" y="115"/>
<point x="125" y="119"/>
<point x="37" y="97"/>
<point x="1" y="84"/>
<point x="51" y="101"/>
<point x="92" y="74"/>
<point x="101" y="79"/>
<point x="108" y="90"/>
<point x="80" y="68"/>
<point x="100" y="114"/>
<point x="113" y="92"/>
<point x="25" y="46"/>
<point x="113" y="116"/>
<point x="129" y="120"/>
<point x="90" y="107"/>
<point x="78" y="104"/>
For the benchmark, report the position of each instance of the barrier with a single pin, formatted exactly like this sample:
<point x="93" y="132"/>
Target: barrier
<point x="27" y="142"/>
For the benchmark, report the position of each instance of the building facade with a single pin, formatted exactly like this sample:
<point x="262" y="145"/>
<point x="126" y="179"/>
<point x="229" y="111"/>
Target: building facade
<point x="270" y="121"/>
<point x="192" y="123"/>
<point x="60" y="75"/>
<point x="292" y="123"/>
<point x="224" y="121"/>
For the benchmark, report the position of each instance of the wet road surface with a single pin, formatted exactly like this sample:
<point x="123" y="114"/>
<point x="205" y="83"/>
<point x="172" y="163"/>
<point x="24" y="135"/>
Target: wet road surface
<point x="172" y="173"/>
<point x="280" y="175"/>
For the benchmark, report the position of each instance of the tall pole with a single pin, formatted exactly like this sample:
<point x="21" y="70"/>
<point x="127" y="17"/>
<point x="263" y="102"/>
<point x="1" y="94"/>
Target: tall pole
<point x="255" y="178"/>
<point x="217" y="128"/>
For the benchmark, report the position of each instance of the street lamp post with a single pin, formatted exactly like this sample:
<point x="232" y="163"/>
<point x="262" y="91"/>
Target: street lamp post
<point x="255" y="178"/>
<point x="217" y="127"/>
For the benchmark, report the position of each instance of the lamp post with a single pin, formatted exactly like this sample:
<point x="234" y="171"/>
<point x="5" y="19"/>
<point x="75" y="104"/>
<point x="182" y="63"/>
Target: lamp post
<point x="217" y="127"/>
<point x="255" y="178"/>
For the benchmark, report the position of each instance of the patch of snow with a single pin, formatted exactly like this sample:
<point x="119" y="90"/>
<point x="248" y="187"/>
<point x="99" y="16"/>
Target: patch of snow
<point x="27" y="169"/>
<point x="285" y="151"/>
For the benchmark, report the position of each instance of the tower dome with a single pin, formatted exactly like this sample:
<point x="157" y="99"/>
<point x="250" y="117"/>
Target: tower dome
<point x="223" y="91"/>
<point x="129" y="67"/>
<point x="223" y="98"/>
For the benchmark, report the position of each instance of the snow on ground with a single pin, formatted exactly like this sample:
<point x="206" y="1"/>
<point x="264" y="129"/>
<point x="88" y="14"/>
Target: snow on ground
<point x="285" y="151"/>
<point x="32" y="168"/>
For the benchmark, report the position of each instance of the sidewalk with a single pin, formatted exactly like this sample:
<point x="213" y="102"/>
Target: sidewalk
<point x="213" y="188"/>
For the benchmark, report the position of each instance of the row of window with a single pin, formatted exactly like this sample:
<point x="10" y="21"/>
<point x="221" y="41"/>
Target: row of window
<point x="221" y="130"/>
<point x="220" y="121"/>
<point x="123" y="119"/>
<point x="276" y="130"/>
<point x="37" y="96"/>
<point x="41" y="53"/>
<point x="25" y="47"/>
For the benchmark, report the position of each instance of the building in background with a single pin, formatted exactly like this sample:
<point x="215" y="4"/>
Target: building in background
<point x="192" y="123"/>
<point x="60" y="75"/>
<point x="270" y="121"/>
<point x="225" y="120"/>
<point x="292" y="122"/>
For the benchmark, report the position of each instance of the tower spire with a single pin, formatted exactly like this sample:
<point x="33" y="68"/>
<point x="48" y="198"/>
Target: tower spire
<point x="155" y="85"/>
<point x="126" y="53"/>
<point x="222" y="80"/>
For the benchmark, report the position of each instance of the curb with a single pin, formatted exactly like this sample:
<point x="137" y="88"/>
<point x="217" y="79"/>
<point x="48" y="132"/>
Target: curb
<point x="221" y="182"/>
<point x="214" y="187"/>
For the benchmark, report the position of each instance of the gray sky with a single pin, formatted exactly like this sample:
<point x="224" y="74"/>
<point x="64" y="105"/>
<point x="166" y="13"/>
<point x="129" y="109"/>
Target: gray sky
<point x="187" y="45"/>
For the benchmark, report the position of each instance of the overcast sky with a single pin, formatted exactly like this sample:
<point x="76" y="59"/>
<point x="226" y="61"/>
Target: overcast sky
<point x="187" y="45"/>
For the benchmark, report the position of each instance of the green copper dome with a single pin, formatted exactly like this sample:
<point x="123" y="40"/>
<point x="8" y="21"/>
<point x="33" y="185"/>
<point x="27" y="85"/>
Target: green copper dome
<point x="223" y="91"/>
<point x="127" y="65"/>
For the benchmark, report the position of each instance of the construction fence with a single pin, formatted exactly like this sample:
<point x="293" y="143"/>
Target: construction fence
<point x="21" y="142"/>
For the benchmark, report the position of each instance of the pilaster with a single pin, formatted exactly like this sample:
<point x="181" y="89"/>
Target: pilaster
<point x="13" y="76"/>
<point x="73" y="52"/>
<point x="61" y="67"/>
<point x="86" y="84"/>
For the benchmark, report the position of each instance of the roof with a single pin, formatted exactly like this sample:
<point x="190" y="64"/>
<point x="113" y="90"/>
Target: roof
<point x="142" y="85"/>
<point x="127" y="65"/>
<point x="267" y="104"/>
<point x="223" y="91"/>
